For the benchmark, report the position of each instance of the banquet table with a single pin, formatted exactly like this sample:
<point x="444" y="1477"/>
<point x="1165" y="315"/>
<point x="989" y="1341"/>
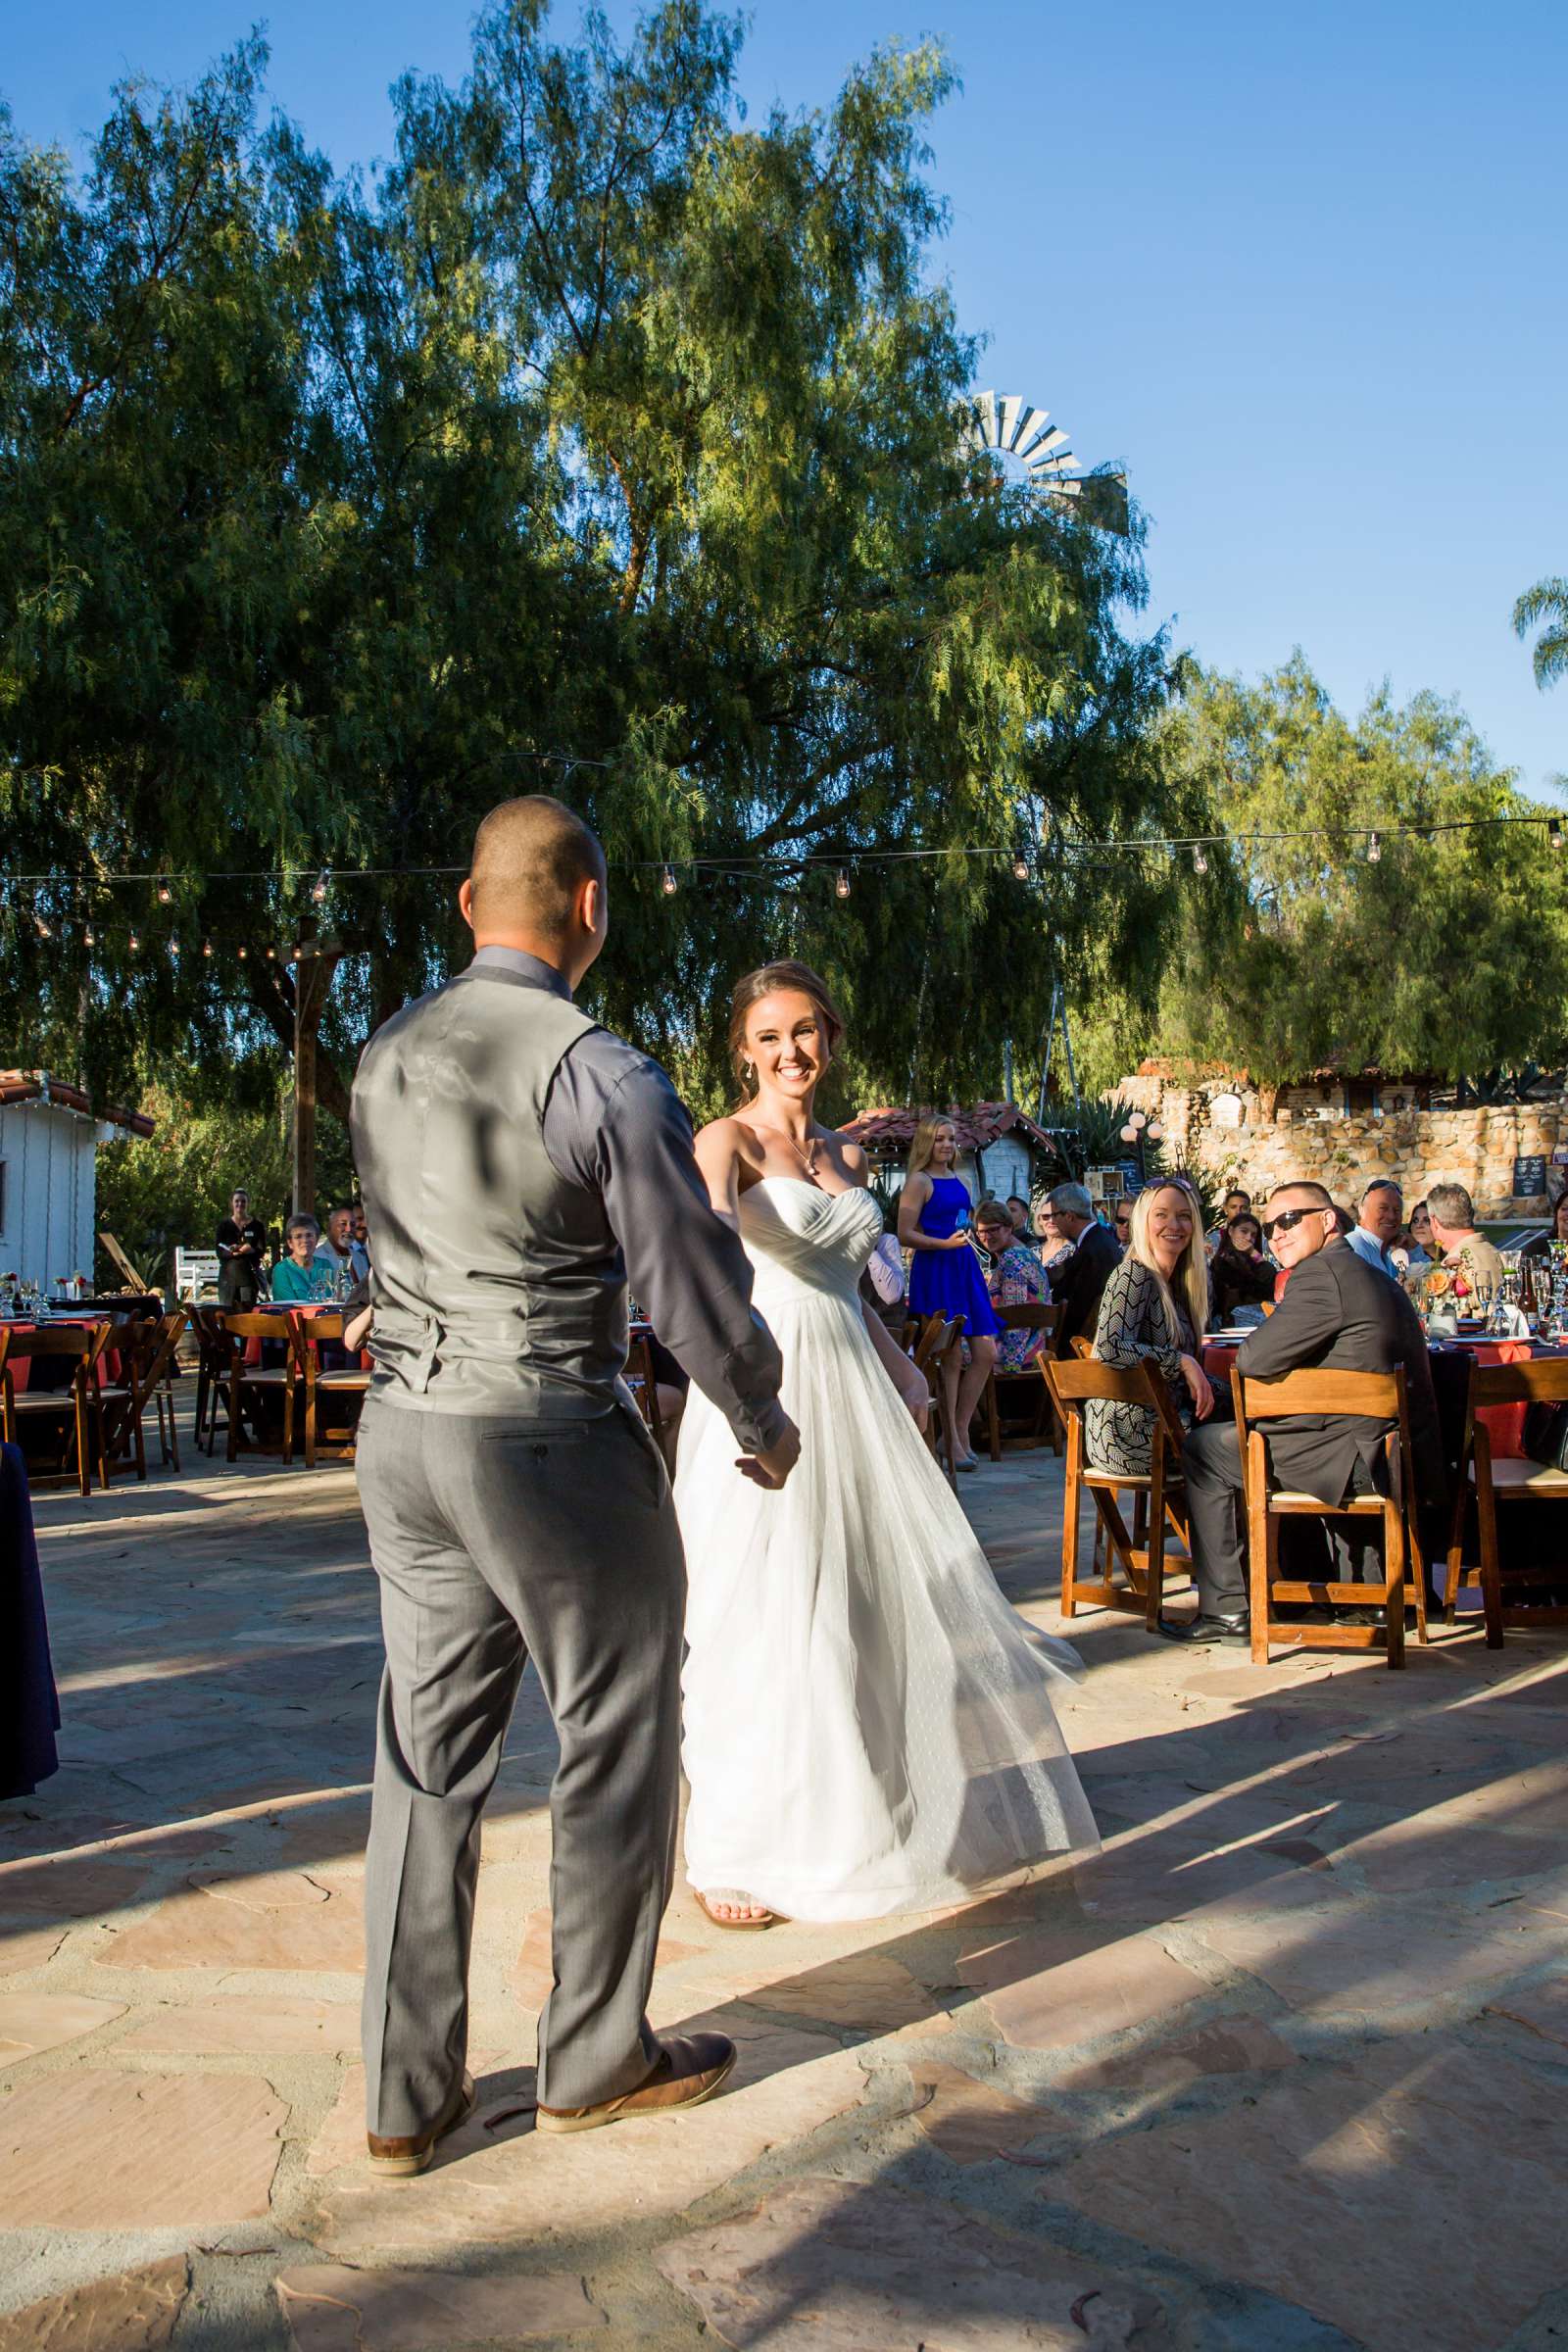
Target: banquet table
<point x="29" y="1709"/>
<point x="46" y="1373"/>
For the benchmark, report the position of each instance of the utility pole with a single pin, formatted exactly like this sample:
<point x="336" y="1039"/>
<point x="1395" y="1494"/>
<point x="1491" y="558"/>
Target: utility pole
<point x="315" y="963"/>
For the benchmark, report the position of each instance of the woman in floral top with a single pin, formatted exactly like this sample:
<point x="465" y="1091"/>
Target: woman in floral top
<point x="1014" y="1277"/>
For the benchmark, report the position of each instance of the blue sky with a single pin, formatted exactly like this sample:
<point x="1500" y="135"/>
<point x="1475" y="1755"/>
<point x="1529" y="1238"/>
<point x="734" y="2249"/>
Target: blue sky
<point x="1299" y="268"/>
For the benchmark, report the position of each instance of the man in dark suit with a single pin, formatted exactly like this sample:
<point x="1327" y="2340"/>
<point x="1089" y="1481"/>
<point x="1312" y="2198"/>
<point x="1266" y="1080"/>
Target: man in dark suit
<point x="1338" y="1315"/>
<point x="1078" y="1285"/>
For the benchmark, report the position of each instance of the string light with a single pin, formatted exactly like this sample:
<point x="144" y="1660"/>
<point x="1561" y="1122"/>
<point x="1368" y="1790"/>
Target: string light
<point x="841" y="883"/>
<point x="668" y="882"/>
<point x="133" y="942"/>
<point x="272" y="955"/>
<point x="1021" y="868"/>
<point x="242" y="952"/>
<point x="207" y="948"/>
<point x="165" y="892"/>
<point x="44" y="931"/>
<point x="1554" y="833"/>
<point x="89" y="937"/>
<point x="1200" y="862"/>
<point x="318" y="886"/>
<point x="1374" y="847"/>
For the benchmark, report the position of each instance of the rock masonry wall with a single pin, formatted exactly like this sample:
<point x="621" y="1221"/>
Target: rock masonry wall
<point x="1476" y="1146"/>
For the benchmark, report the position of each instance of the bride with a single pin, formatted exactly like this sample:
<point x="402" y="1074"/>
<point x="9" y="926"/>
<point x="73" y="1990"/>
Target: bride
<point x="869" y="1723"/>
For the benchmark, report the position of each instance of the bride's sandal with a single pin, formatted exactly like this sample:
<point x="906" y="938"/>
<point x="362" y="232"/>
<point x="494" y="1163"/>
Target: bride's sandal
<point x="770" y="1919"/>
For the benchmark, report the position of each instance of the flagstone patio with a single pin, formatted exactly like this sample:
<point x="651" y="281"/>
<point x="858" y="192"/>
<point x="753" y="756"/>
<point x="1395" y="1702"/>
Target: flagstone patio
<point x="1285" y="2067"/>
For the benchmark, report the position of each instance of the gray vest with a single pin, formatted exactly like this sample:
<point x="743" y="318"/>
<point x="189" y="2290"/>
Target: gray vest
<point x="498" y="1287"/>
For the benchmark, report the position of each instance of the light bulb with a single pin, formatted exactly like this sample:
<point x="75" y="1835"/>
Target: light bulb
<point x="45" y="931"/>
<point x="318" y="886"/>
<point x="89" y="937"/>
<point x="1374" y="847"/>
<point x="668" y="882"/>
<point x="165" y="893"/>
<point x="242" y="952"/>
<point x="1129" y="1134"/>
<point x="1021" y="868"/>
<point x="207" y="948"/>
<point x="1554" y="833"/>
<point x="1200" y="862"/>
<point x="272" y="955"/>
<point x="133" y="942"/>
<point x="841" y="883"/>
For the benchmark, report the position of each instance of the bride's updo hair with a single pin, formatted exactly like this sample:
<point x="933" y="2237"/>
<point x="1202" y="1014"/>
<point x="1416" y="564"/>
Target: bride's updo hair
<point x="766" y="981"/>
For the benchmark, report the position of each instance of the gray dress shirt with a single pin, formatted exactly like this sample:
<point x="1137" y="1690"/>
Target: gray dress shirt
<point x="614" y="1124"/>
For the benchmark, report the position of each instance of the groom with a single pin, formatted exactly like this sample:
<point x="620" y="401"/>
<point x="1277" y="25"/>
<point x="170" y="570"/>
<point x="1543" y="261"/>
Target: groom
<point x="516" y="1161"/>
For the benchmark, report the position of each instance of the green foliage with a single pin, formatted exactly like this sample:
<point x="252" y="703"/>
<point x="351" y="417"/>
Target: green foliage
<point x="172" y="1186"/>
<point x="605" y="443"/>
<point x="1546" y="606"/>
<point x="1449" y="954"/>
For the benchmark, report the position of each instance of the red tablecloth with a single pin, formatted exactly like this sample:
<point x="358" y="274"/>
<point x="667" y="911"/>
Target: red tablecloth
<point x="1505" y="1423"/>
<point x="22" y="1369"/>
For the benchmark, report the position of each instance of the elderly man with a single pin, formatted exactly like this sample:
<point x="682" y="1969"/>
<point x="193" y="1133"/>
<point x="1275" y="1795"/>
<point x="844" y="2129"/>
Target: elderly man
<point x="1382" y="1215"/>
<point x="1465" y="1253"/>
<point x="1338" y="1315"/>
<point x="339" y="1255"/>
<point x="1078" y="1282"/>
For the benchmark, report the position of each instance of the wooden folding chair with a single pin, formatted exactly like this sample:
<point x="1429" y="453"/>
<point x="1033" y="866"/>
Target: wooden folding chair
<point x="145" y="1350"/>
<point x="214" y="1366"/>
<point x="257" y="1385"/>
<point x="1356" y="1396"/>
<point x="1490" y="1482"/>
<point x="34" y="1409"/>
<point x="643" y="1385"/>
<point x="326" y="1391"/>
<point x="1015" y="1404"/>
<point x="1139" y="1551"/>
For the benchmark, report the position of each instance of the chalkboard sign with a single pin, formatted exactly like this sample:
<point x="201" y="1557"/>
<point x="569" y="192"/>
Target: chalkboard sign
<point x="1530" y="1176"/>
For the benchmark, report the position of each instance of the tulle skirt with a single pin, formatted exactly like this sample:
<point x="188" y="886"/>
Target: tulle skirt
<point x="867" y="1724"/>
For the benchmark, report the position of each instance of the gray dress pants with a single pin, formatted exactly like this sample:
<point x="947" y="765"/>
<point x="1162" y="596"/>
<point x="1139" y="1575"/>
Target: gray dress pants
<point x="496" y="1541"/>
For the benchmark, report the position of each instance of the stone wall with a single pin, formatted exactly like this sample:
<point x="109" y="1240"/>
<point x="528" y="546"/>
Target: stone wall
<point x="1476" y="1146"/>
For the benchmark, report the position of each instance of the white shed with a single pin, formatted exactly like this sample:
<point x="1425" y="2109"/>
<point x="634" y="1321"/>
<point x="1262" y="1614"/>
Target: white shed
<point x="49" y="1138"/>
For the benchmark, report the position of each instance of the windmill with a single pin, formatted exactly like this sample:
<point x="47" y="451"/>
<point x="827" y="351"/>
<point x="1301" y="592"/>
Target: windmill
<point x="1009" y="425"/>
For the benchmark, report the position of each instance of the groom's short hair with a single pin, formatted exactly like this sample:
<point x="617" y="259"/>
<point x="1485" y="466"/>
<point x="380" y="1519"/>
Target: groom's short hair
<point x="530" y="859"/>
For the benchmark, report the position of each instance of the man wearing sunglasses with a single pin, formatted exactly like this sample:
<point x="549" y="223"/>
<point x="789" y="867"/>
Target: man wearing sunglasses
<point x="1339" y="1314"/>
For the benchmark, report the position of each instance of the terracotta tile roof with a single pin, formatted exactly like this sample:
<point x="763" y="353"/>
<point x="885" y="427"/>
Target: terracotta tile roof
<point x="977" y="1125"/>
<point x="35" y="1086"/>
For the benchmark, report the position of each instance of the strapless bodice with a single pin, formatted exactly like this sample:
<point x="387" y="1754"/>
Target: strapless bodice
<point x="804" y="1242"/>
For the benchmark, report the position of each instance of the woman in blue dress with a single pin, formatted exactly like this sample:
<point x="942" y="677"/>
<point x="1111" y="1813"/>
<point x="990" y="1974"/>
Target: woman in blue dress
<point x="946" y="1278"/>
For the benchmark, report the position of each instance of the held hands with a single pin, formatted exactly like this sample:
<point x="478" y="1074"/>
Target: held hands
<point x="1198" y="1388"/>
<point x="772" y="1468"/>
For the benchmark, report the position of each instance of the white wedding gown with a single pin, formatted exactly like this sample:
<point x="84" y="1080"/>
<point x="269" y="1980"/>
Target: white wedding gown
<point x="869" y="1723"/>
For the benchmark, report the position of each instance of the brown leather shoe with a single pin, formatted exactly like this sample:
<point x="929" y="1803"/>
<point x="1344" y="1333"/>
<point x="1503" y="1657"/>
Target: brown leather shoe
<point x="691" y="2067"/>
<point x="403" y="2155"/>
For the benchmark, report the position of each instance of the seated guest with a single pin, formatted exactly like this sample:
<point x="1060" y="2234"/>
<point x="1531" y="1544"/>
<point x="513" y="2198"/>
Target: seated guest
<point x="1238" y="1273"/>
<point x="1054" y="1247"/>
<point x="1338" y="1315"/>
<point x="1237" y="1205"/>
<point x="1014" y="1277"/>
<point x="1541" y="1246"/>
<point x="1423" y="1249"/>
<point x="1078" y="1278"/>
<point x="1467" y="1254"/>
<point x="883" y="1286"/>
<point x="360" y="1230"/>
<point x="1154" y="1310"/>
<point x="299" y="1274"/>
<point x="339" y="1254"/>
<point x="1378" y="1228"/>
<point x="1023" y="1222"/>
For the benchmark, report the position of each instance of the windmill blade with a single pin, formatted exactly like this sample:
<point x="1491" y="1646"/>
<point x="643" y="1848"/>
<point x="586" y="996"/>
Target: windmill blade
<point x="1032" y="437"/>
<point x="1013" y="409"/>
<point x="987" y="407"/>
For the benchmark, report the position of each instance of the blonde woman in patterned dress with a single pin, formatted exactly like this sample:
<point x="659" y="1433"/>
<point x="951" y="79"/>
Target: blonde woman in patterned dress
<point x="1154" y="1311"/>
